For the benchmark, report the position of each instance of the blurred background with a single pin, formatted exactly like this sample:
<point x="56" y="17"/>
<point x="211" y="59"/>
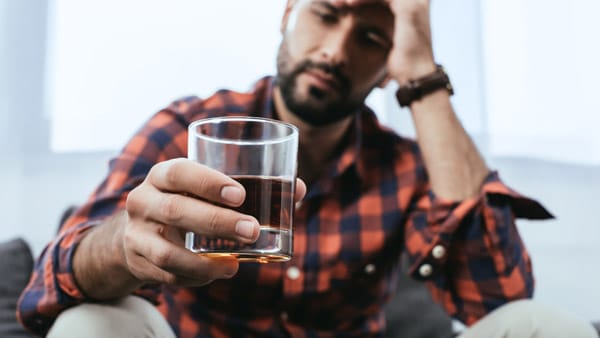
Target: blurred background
<point x="77" y="78"/>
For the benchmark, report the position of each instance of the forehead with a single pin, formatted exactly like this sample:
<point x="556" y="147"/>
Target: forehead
<point x="375" y="13"/>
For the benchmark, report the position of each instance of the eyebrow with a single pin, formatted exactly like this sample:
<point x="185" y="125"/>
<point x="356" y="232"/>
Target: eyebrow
<point x="377" y="31"/>
<point x="335" y="9"/>
<point x="341" y="10"/>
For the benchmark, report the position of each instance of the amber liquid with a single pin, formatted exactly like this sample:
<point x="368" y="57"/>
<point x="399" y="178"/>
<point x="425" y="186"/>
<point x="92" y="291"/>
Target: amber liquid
<point x="271" y="202"/>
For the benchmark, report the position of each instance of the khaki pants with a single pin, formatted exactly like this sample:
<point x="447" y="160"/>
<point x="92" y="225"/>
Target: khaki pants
<point x="133" y="317"/>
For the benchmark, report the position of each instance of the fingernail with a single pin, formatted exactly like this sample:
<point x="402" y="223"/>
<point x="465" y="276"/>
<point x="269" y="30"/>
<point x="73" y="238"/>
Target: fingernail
<point x="232" y="194"/>
<point x="245" y="228"/>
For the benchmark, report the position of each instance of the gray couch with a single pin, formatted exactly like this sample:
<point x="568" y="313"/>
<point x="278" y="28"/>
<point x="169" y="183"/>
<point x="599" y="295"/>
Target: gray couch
<point x="411" y="314"/>
<point x="15" y="267"/>
<point x="412" y="304"/>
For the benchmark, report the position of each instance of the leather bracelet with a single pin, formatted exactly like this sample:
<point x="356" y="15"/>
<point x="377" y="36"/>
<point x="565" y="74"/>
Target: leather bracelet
<point x="418" y="88"/>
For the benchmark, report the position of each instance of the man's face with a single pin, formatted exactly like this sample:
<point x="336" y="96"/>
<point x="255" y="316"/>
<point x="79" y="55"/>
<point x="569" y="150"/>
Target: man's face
<point x="331" y="57"/>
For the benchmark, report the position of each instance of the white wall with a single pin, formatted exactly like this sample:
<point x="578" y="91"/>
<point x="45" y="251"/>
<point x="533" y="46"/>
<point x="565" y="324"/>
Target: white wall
<point x="37" y="185"/>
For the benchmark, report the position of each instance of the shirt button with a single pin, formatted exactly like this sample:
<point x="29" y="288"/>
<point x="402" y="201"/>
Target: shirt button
<point x="293" y="273"/>
<point x="425" y="270"/>
<point x="438" y="251"/>
<point x="370" y="269"/>
<point x="284" y="316"/>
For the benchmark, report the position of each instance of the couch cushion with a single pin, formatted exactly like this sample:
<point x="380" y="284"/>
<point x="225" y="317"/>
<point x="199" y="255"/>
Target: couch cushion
<point x="412" y="313"/>
<point x="16" y="264"/>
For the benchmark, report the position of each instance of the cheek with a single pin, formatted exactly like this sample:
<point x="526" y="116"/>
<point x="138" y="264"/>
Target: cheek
<point x="300" y="43"/>
<point x="303" y="35"/>
<point x="367" y="64"/>
<point x="368" y="74"/>
<point x="363" y="82"/>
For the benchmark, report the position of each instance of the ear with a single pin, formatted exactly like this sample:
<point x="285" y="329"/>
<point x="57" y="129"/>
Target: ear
<point x="286" y="15"/>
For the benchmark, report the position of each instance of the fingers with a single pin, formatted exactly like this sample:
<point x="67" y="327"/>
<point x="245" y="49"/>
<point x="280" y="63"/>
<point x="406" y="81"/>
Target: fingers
<point x="300" y="190"/>
<point x="152" y="259"/>
<point x="186" y="176"/>
<point x="191" y="214"/>
<point x="179" y="196"/>
<point x="190" y="196"/>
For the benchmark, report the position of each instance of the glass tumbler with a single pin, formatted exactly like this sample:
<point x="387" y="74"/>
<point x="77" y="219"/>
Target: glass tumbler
<point x="260" y="154"/>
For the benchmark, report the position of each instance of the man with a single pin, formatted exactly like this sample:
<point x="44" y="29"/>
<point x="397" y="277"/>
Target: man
<point x="370" y="194"/>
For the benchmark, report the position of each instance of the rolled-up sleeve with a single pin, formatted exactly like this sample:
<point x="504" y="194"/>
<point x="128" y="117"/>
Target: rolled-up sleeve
<point x="470" y="252"/>
<point x="52" y="287"/>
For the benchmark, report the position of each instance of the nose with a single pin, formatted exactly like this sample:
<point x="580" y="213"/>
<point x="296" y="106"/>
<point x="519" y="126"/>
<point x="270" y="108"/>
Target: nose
<point x="336" y="47"/>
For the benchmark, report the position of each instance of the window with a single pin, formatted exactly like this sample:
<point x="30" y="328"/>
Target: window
<point x="541" y="68"/>
<point x="112" y="64"/>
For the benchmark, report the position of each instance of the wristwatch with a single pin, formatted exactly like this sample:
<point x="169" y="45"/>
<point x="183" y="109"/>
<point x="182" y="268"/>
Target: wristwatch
<point x="416" y="89"/>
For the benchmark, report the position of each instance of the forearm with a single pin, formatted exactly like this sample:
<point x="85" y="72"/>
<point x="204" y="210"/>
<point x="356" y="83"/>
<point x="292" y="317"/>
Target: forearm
<point x="99" y="265"/>
<point x="476" y="260"/>
<point x="475" y="257"/>
<point x="483" y="274"/>
<point x="455" y="167"/>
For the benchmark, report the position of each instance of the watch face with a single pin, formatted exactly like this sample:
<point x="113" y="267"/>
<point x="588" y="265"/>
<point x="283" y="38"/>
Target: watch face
<point x="404" y="96"/>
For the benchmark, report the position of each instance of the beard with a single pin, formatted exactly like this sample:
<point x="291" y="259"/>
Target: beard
<point x="318" y="108"/>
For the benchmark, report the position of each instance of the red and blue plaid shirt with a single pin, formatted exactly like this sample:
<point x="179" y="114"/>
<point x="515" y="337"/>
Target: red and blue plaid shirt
<point x="373" y="203"/>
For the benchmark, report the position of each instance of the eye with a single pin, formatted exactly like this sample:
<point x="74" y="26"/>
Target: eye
<point x="369" y="38"/>
<point x="326" y="17"/>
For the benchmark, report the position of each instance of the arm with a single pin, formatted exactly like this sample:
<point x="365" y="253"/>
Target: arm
<point x="461" y="235"/>
<point x="455" y="167"/>
<point x="144" y="243"/>
<point x="470" y="252"/>
<point x="129" y="233"/>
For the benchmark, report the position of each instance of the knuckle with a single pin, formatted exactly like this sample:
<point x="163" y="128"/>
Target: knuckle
<point x="137" y="269"/>
<point x="161" y="258"/>
<point x="173" y="172"/>
<point x="171" y="209"/>
<point x="155" y="170"/>
<point x="128" y="237"/>
<point x="214" y="224"/>
<point x="132" y="202"/>
<point x="169" y="278"/>
<point x="204" y="185"/>
<point x="203" y="182"/>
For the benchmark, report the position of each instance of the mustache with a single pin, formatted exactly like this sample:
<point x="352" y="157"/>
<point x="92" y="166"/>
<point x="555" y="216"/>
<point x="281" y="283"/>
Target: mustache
<point x="334" y="70"/>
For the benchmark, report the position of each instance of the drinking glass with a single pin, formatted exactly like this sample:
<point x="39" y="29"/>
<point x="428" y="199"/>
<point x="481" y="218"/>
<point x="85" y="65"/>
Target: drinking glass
<point x="260" y="154"/>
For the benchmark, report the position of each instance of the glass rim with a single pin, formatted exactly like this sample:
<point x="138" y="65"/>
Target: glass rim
<point x="293" y="130"/>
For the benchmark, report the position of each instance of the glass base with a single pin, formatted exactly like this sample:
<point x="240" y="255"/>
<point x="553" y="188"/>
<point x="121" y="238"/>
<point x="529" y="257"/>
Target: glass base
<point x="247" y="257"/>
<point x="273" y="245"/>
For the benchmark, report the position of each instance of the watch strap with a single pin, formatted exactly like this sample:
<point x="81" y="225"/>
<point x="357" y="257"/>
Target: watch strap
<point x="416" y="89"/>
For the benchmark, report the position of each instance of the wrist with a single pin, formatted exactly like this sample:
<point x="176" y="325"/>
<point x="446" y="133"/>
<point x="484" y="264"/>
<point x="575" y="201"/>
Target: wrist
<point x="99" y="263"/>
<point x="409" y="71"/>
<point x="417" y="88"/>
<point x="118" y="257"/>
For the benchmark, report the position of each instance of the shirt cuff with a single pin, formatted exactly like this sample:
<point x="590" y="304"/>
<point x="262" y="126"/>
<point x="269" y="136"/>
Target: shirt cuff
<point x="63" y="266"/>
<point x="444" y="217"/>
<point x="62" y="260"/>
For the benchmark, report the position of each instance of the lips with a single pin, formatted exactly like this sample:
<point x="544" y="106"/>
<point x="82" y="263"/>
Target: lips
<point x="323" y="80"/>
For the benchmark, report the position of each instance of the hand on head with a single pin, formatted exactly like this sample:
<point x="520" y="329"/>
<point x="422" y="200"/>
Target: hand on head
<point x="412" y="53"/>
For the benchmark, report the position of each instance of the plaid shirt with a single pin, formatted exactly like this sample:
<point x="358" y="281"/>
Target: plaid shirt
<point x="373" y="203"/>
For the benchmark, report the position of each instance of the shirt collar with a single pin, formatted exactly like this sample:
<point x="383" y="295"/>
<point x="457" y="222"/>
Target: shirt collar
<point x="358" y="159"/>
